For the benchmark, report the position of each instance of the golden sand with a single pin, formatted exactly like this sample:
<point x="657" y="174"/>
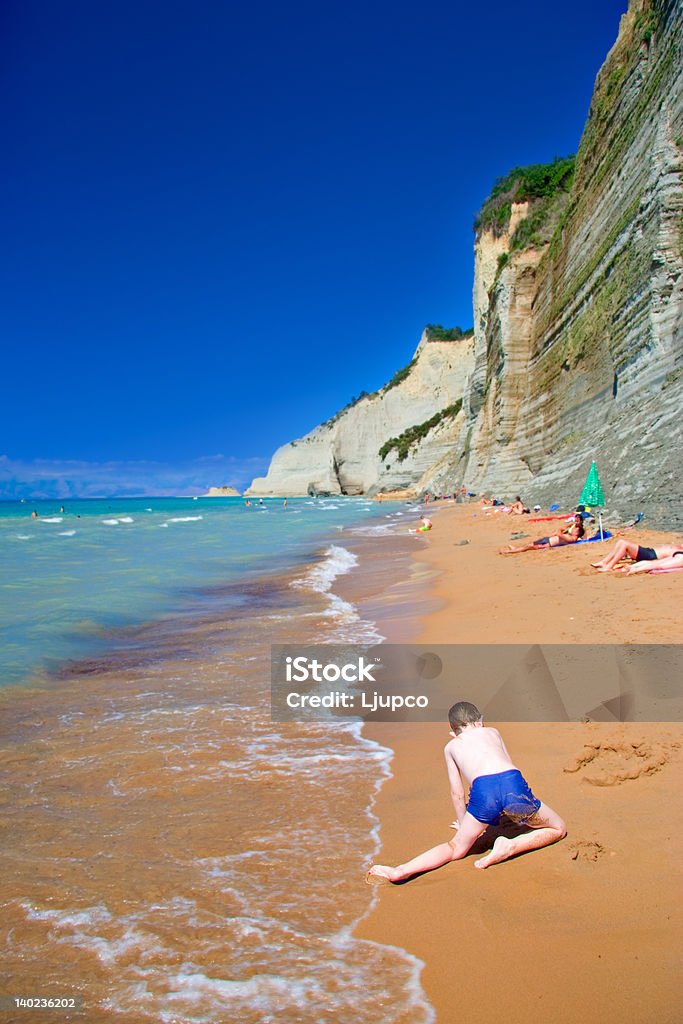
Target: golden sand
<point x="588" y="929"/>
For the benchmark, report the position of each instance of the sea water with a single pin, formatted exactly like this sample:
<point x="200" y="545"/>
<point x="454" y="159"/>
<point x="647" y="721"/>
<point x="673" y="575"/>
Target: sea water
<point x="170" y="853"/>
<point x="71" y="579"/>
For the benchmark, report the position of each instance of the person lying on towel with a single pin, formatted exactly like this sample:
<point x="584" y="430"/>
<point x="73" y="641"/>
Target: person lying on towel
<point x="570" y="535"/>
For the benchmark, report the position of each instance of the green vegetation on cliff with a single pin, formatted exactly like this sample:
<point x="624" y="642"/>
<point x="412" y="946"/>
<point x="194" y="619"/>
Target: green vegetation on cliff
<point x="523" y="184"/>
<point x="404" y="442"/>
<point x="349" y="405"/>
<point x="400" y="375"/>
<point x="436" y="332"/>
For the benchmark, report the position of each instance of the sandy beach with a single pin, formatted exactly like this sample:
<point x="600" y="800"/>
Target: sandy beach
<point x="588" y="929"/>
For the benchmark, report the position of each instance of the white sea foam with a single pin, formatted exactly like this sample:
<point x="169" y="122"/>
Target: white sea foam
<point x="372" y="531"/>
<point x="110" y="522"/>
<point x="23" y="536"/>
<point x="185" y="519"/>
<point x="67" y="533"/>
<point x="51" y="519"/>
<point x="348" y="625"/>
<point x="126" y="519"/>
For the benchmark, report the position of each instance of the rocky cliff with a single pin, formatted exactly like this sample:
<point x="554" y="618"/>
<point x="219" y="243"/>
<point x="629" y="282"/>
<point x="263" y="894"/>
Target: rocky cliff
<point x="579" y="341"/>
<point x="418" y="410"/>
<point x="578" y="321"/>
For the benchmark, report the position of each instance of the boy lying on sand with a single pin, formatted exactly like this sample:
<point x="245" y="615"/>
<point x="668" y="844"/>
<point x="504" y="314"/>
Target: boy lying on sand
<point x="478" y="755"/>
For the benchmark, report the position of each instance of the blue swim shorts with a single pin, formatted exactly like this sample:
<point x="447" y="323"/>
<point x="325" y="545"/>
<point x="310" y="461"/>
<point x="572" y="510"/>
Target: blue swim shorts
<point x="504" y="793"/>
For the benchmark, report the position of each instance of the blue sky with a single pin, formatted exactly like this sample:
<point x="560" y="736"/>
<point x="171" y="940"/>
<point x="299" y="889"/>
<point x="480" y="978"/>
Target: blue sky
<point x="223" y="221"/>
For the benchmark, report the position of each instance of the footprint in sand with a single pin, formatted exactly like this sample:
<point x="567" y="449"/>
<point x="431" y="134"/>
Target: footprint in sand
<point x="586" y="850"/>
<point x="612" y="762"/>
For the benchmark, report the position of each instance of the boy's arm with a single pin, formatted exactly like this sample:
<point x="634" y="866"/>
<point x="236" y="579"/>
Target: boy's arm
<point x="455" y="782"/>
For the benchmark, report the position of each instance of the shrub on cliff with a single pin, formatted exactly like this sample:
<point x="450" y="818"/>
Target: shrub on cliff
<point x="400" y="375"/>
<point x="436" y="332"/>
<point x="349" y="405"/>
<point x="522" y="184"/>
<point x="404" y="442"/>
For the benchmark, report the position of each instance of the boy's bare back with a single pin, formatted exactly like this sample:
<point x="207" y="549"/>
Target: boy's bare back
<point x="479" y="750"/>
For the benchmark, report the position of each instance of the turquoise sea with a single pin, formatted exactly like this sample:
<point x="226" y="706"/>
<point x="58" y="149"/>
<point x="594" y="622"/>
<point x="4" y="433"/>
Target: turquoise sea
<point x="168" y="852"/>
<point x="71" y="579"/>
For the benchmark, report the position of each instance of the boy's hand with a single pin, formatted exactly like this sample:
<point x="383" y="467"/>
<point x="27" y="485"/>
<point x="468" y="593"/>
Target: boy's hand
<point x="455" y="825"/>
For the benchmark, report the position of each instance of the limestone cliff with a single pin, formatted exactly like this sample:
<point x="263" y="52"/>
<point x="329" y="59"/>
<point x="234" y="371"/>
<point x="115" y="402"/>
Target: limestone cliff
<point x="342" y="456"/>
<point x="579" y="341"/>
<point x="578" y="322"/>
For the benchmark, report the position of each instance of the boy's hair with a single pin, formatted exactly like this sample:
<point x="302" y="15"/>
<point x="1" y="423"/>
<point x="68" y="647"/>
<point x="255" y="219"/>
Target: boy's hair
<point x="463" y="713"/>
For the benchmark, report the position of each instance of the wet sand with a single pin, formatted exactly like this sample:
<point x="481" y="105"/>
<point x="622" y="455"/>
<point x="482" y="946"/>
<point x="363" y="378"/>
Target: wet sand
<point x="588" y="929"/>
<point x="167" y="847"/>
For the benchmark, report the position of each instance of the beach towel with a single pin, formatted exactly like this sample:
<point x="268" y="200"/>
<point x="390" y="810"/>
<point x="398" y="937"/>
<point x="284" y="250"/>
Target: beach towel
<point x="547" y="519"/>
<point x="588" y="540"/>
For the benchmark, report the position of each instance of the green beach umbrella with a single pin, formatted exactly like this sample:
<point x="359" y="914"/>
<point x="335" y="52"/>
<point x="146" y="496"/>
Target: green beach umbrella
<point x="592" y="494"/>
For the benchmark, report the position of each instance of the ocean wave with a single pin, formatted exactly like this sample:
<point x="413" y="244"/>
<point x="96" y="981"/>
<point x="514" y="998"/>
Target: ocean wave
<point x="338" y="561"/>
<point x="372" y="531"/>
<point x="348" y="626"/>
<point x="185" y="519"/>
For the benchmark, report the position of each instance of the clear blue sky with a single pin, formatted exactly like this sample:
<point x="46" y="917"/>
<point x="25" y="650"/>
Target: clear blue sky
<point x="223" y="220"/>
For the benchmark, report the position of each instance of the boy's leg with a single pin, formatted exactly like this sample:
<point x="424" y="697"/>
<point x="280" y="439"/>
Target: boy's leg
<point x="547" y="827"/>
<point x="458" y="847"/>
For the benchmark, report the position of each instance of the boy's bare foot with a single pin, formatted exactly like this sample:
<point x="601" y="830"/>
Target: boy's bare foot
<point x="379" y="874"/>
<point x="597" y="565"/>
<point x="502" y="849"/>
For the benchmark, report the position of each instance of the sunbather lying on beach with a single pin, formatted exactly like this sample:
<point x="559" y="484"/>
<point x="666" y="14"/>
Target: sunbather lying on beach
<point x="570" y="535"/>
<point x="478" y="755"/>
<point x="665" y="556"/>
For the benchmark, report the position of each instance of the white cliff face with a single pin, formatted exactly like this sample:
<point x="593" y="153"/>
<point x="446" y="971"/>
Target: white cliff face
<point x="343" y="457"/>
